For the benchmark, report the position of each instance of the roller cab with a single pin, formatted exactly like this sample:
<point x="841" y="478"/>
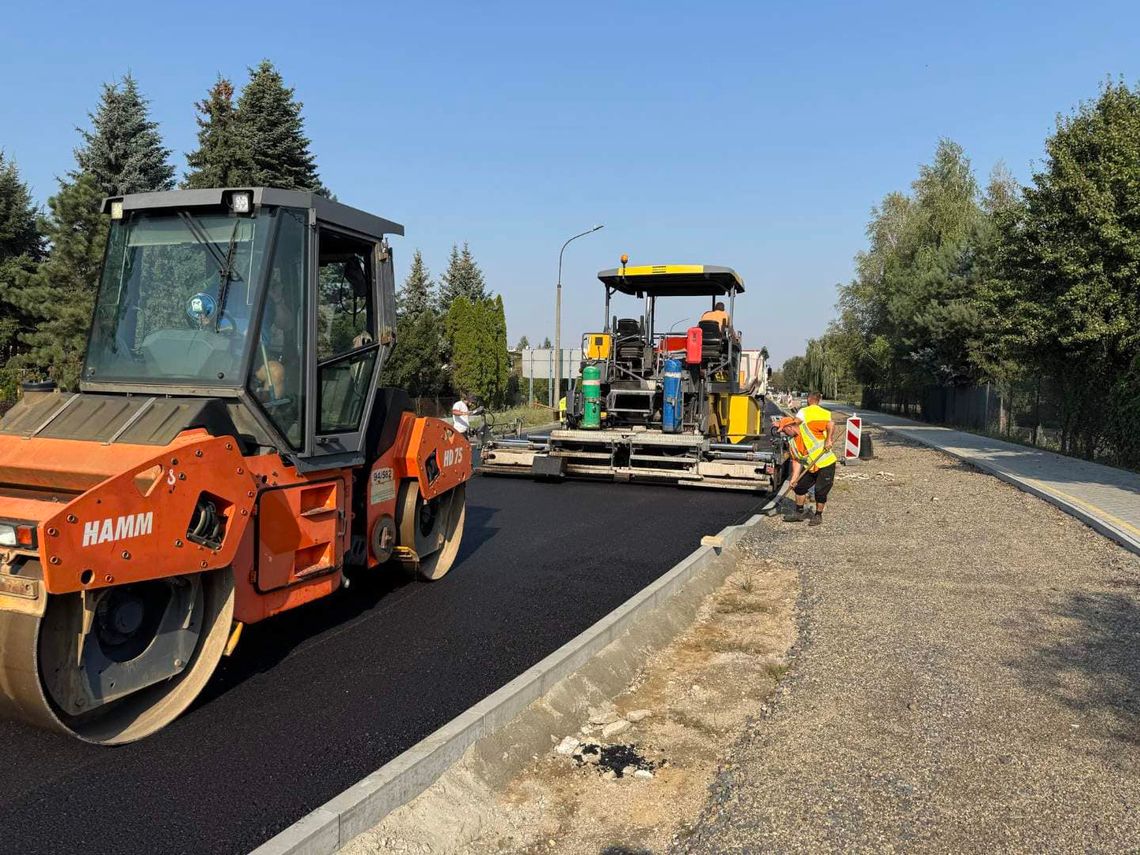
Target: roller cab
<point x="230" y="454"/>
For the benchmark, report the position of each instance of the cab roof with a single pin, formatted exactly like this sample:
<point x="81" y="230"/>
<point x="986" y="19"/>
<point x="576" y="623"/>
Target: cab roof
<point x="674" y="280"/>
<point x="326" y="210"/>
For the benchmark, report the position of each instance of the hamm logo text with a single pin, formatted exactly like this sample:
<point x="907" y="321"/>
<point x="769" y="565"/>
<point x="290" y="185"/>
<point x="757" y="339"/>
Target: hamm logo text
<point x="117" y="528"/>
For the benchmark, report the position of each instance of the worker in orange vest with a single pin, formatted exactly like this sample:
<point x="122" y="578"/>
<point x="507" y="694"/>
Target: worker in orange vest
<point x="811" y="434"/>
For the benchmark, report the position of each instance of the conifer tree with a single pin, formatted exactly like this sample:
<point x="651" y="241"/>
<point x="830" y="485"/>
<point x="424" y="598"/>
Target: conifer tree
<point x="497" y="343"/>
<point x="477" y="333"/>
<point x="418" y="294"/>
<point x="123" y="151"/>
<point x="21" y="247"/>
<point x="462" y="324"/>
<point x="272" y="131"/>
<point x="60" y="294"/>
<point x="222" y="158"/>
<point x="19" y="231"/>
<point x="463" y="278"/>
<point x="417" y="362"/>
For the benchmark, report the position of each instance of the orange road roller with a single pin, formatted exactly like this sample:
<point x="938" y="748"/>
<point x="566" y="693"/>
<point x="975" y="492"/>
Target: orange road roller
<point x="229" y="455"/>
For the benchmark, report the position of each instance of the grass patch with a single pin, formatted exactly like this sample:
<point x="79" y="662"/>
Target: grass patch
<point x="777" y="671"/>
<point x="505" y="420"/>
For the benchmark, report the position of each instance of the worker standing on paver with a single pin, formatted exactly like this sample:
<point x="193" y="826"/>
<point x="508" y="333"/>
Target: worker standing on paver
<point x="811" y="433"/>
<point x="717" y="314"/>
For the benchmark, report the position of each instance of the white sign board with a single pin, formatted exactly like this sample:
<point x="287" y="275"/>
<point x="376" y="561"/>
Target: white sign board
<point x="538" y="363"/>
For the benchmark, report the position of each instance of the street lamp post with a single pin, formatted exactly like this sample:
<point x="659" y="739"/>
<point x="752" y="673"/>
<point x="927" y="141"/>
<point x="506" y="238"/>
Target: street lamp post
<point x="556" y="392"/>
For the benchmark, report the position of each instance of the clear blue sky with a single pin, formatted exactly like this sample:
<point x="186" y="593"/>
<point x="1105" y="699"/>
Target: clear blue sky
<point x="756" y="135"/>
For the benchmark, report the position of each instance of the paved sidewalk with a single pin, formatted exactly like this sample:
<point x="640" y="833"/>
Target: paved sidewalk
<point x="1105" y="498"/>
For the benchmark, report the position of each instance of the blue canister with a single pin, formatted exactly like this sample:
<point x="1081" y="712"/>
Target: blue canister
<point x="674" y="403"/>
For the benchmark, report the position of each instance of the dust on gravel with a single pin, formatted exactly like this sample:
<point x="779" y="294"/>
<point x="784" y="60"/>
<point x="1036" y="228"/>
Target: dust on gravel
<point x="967" y="676"/>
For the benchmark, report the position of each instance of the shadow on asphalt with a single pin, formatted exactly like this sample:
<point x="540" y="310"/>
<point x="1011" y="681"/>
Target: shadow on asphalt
<point x="477" y="529"/>
<point x="1103" y="648"/>
<point x="264" y="645"/>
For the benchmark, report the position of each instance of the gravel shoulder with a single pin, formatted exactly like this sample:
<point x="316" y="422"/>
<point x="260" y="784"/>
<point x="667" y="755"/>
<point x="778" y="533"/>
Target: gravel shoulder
<point x="966" y="676"/>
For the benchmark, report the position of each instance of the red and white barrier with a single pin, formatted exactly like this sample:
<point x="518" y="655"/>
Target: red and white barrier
<point x="854" y="438"/>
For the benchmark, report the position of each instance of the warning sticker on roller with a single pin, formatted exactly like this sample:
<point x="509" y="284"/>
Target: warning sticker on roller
<point x="382" y="487"/>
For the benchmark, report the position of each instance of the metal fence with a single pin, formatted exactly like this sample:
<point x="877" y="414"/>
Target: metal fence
<point x="1028" y="411"/>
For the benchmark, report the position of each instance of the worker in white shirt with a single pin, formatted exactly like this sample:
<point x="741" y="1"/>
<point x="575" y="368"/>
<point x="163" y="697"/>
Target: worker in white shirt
<point x="460" y="414"/>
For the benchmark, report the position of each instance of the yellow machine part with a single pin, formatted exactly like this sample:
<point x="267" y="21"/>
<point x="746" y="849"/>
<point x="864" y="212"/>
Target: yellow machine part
<point x="598" y="345"/>
<point x="740" y="414"/>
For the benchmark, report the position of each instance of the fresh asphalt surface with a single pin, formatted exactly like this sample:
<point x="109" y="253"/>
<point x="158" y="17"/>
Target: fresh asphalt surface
<point x="316" y="699"/>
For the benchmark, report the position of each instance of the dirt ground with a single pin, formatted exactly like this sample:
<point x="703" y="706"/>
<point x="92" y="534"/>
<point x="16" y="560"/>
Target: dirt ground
<point x="947" y="663"/>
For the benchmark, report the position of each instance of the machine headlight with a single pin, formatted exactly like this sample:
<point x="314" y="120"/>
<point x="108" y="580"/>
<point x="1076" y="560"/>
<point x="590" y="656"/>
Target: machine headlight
<point x="241" y="202"/>
<point x="15" y="534"/>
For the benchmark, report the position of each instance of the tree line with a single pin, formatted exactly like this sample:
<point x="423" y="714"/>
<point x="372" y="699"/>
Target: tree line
<point x="1016" y="286"/>
<point x="450" y="338"/>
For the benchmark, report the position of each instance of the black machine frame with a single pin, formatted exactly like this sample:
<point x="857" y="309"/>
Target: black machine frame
<point x="624" y="385"/>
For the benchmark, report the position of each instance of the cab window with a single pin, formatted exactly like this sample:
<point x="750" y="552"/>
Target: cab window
<point x="347" y="345"/>
<point x="277" y="375"/>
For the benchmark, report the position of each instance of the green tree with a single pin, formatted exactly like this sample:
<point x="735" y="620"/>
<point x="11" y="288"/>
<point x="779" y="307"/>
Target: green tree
<point x="418" y="294"/>
<point x="59" y="294"/>
<point x="21" y="248"/>
<point x="417" y="363"/>
<point x="272" y="132"/>
<point x="910" y="316"/>
<point x="500" y="355"/>
<point x="795" y="373"/>
<point x="222" y="158"/>
<point x="123" y="151"/>
<point x="463" y="278"/>
<point x="19" y="230"/>
<point x="478" y="338"/>
<point x="1067" y="293"/>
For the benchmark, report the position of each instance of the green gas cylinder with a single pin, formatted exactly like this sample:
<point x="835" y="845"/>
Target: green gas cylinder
<point x="591" y="397"/>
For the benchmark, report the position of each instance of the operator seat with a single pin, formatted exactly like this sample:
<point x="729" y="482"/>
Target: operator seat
<point x="713" y="341"/>
<point x="629" y="344"/>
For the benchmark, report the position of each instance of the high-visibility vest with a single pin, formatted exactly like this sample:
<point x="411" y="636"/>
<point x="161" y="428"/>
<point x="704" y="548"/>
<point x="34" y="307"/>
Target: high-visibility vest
<point x="816" y="418"/>
<point x="811" y="451"/>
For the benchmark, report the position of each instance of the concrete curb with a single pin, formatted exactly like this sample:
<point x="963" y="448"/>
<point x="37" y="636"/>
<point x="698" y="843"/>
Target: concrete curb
<point x="1089" y="518"/>
<point x="364" y="804"/>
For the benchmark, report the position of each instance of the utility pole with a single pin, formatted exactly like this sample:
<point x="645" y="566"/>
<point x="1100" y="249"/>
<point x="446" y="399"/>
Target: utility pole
<point x="530" y="373"/>
<point x="556" y="392"/>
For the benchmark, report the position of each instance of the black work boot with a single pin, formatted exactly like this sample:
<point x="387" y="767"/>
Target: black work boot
<point x="816" y="519"/>
<point x="795" y="515"/>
